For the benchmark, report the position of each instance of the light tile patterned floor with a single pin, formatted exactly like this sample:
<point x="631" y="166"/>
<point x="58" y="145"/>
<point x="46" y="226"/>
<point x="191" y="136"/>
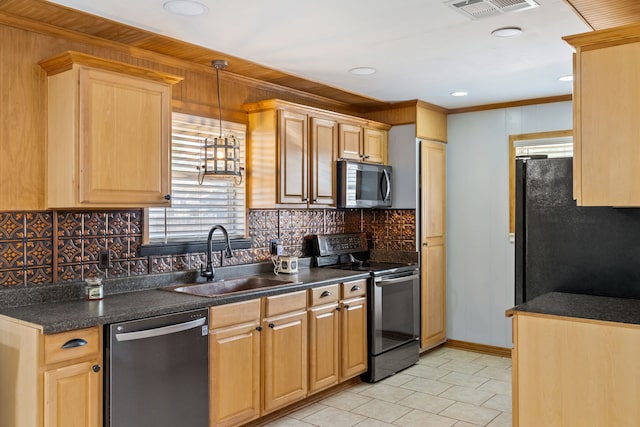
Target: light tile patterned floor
<point x="448" y="387"/>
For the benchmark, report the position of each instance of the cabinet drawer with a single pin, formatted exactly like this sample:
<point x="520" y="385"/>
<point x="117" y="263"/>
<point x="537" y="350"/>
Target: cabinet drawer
<point x="323" y="295"/>
<point x="71" y="345"/>
<point x="354" y="289"/>
<point x="286" y="303"/>
<point x="234" y="314"/>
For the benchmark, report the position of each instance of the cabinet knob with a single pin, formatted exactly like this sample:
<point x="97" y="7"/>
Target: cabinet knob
<point x="95" y="368"/>
<point x="338" y="308"/>
<point x="271" y="325"/>
<point x="425" y="244"/>
<point x="259" y="328"/>
<point x="346" y="306"/>
<point x="167" y="196"/>
<point x="306" y="199"/>
<point x="315" y="200"/>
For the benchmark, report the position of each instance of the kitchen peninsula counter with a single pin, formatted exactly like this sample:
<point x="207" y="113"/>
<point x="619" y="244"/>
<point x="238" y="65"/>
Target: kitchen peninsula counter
<point x="579" y="306"/>
<point x="54" y="317"/>
<point x="574" y="361"/>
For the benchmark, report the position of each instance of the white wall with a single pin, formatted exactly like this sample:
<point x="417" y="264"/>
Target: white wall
<point x="480" y="258"/>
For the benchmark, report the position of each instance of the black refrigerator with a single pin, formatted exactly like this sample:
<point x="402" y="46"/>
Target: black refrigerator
<point x="562" y="247"/>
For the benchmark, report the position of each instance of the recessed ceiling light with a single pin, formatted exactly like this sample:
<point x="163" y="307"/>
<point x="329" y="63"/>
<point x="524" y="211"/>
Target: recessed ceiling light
<point x="507" y="32"/>
<point x="185" y="7"/>
<point x="461" y="93"/>
<point x="362" y="71"/>
<point x="566" y="79"/>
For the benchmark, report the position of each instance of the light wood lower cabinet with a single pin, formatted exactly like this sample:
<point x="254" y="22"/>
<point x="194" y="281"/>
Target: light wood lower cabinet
<point x="337" y="334"/>
<point x="353" y="337"/>
<point x="284" y="350"/>
<point x="234" y="367"/>
<point x="72" y="396"/>
<point x="50" y="380"/>
<point x="574" y="372"/>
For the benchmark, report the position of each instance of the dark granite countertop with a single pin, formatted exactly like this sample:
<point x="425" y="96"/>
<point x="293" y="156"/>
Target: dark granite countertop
<point x="118" y="307"/>
<point x="608" y="309"/>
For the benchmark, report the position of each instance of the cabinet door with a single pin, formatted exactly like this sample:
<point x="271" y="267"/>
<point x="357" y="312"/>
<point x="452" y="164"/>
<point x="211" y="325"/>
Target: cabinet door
<point x="353" y="332"/>
<point x="292" y="145"/>
<point x="607" y="153"/>
<point x="73" y="396"/>
<point x="234" y="374"/>
<point x="323" y="347"/>
<point x="375" y="146"/>
<point x="322" y="168"/>
<point x="284" y="358"/>
<point x="124" y="139"/>
<point x="350" y="140"/>
<point x="433" y="265"/>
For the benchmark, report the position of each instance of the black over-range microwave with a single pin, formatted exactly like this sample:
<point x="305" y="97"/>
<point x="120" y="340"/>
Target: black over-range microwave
<point x="363" y="185"/>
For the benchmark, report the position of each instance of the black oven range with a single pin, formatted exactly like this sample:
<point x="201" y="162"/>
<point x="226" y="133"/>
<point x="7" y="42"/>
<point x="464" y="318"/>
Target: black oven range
<point x="393" y="302"/>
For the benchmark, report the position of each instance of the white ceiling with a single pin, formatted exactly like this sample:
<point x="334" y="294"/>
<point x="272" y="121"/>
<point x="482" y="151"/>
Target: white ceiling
<point x="421" y="48"/>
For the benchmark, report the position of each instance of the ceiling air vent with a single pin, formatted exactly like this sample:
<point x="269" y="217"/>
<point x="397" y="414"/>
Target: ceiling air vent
<point x="478" y="9"/>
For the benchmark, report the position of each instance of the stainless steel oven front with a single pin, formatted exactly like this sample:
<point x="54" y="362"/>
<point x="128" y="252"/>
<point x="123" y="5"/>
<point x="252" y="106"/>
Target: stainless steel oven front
<point x="394" y="323"/>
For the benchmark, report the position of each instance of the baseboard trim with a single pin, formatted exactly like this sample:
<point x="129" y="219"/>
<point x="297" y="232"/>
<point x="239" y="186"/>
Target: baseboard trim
<point x="479" y="348"/>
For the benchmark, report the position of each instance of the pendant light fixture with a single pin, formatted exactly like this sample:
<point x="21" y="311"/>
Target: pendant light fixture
<point x="220" y="156"/>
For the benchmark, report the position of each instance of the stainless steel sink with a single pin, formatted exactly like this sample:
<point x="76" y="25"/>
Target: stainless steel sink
<point x="222" y="287"/>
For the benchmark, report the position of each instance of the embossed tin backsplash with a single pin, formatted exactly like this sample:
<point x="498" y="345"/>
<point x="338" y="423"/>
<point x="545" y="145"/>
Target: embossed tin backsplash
<point x="41" y="247"/>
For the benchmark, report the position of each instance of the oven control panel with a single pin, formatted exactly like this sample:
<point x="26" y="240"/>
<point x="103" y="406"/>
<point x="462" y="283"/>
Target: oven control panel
<point x="338" y="244"/>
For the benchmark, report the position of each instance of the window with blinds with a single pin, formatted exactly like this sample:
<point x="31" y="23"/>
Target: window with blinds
<point x="196" y="208"/>
<point x="552" y="147"/>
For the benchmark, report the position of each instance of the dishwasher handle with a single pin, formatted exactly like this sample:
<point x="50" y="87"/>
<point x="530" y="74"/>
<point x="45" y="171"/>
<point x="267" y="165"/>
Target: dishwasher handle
<point x="164" y="330"/>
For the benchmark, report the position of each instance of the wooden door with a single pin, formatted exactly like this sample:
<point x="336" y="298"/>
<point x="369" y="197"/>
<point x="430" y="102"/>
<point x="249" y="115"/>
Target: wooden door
<point x="284" y="360"/>
<point x="433" y="249"/>
<point x="353" y="333"/>
<point x="322" y="168"/>
<point x="323" y="347"/>
<point x="235" y="374"/>
<point x="73" y="396"/>
<point x="293" y="157"/>
<point x="375" y="146"/>
<point x="124" y="139"/>
<point x="350" y="141"/>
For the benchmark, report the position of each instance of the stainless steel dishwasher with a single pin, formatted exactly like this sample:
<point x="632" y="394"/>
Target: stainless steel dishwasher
<point x="157" y="371"/>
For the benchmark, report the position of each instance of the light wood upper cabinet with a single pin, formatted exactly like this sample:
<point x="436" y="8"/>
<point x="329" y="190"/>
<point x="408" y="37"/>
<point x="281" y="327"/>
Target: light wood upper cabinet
<point x="375" y="146"/>
<point x="322" y="167"/>
<point x="433" y="249"/>
<point x="350" y="141"/>
<point x="109" y="134"/>
<point x="294" y="157"/>
<point x="606" y="168"/>
<point x="362" y="143"/>
<point x="292" y="152"/>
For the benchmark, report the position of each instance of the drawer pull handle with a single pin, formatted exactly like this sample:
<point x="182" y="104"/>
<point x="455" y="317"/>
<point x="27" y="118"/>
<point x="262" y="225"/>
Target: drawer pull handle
<point x="76" y="342"/>
<point x="95" y="368"/>
<point x="355" y="288"/>
<point x="272" y="325"/>
<point x="325" y="294"/>
<point x="338" y="308"/>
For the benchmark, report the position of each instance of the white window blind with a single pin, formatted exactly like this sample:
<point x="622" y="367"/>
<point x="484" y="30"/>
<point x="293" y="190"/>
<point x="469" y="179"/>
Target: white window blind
<point x="196" y="208"/>
<point x="552" y="147"/>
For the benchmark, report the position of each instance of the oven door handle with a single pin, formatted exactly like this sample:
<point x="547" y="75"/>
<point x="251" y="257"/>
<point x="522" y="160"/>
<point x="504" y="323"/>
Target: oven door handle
<point x="385" y="282"/>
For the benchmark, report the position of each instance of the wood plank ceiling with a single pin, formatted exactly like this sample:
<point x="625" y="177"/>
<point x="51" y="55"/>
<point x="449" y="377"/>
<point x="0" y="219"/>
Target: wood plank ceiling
<point x="601" y="14"/>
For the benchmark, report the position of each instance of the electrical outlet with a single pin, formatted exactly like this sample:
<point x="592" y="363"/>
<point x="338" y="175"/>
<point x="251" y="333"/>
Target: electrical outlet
<point x="276" y="247"/>
<point x="104" y="260"/>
